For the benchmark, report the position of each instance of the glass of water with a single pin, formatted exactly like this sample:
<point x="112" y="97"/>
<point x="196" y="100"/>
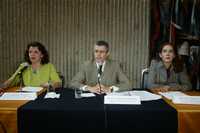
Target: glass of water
<point x="50" y="87"/>
<point x="78" y="93"/>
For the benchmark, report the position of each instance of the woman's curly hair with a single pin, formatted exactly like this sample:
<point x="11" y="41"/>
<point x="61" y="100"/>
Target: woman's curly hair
<point x="41" y="48"/>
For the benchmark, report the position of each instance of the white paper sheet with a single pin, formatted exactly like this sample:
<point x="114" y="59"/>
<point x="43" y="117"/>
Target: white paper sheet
<point x="31" y="89"/>
<point x="144" y="95"/>
<point x="18" y="96"/>
<point x="186" y="100"/>
<point x="52" y="95"/>
<point x="171" y="94"/>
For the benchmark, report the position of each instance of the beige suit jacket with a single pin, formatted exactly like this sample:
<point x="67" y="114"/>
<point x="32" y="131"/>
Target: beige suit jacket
<point x="157" y="77"/>
<point x="111" y="76"/>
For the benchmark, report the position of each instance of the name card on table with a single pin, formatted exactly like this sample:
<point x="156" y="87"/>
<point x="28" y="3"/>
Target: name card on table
<point x="186" y="100"/>
<point x="115" y="99"/>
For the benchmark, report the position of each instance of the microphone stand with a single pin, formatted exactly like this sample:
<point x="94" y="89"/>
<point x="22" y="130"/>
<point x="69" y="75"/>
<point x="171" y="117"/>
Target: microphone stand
<point x="20" y="80"/>
<point x="98" y="80"/>
<point x="102" y="97"/>
<point x="99" y="77"/>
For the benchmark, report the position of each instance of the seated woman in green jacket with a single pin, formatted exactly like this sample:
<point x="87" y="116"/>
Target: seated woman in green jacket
<point x="37" y="71"/>
<point x="166" y="74"/>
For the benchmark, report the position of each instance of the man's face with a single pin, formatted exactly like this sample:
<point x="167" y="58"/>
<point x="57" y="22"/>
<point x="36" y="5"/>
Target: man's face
<point x="100" y="53"/>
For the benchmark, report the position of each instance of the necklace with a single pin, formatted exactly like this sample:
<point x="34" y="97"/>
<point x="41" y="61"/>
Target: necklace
<point x="34" y="71"/>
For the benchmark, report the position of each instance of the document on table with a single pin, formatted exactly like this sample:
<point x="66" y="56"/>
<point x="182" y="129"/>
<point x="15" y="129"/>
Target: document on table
<point x="52" y="95"/>
<point x="116" y="99"/>
<point x="186" y="100"/>
<point x="178" y="97"/>
<point x="144" y="95"/>
<point x="31" y="89"/>
<point x="130" y="97"/>
<point x="171" y="94"/>
<point x="18" y="96"/>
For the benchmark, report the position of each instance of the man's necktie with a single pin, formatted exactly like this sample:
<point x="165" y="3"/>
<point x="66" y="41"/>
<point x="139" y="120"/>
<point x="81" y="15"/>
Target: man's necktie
<point x="100" y="69"/>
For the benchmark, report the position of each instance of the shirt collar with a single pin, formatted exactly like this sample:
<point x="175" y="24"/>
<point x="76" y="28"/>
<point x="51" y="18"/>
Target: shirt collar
<point x="103" y="65"/>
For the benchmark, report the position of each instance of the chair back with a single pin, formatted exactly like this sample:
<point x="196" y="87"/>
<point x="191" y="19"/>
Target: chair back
<point x="62" y="79"/>
<point x="144" y="78"/>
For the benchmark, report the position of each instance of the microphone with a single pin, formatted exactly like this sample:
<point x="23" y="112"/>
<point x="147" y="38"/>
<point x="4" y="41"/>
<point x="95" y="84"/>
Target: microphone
<point x="22" y="67"/>
<point x="19" y="71"/>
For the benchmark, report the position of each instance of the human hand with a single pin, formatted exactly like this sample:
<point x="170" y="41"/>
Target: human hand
<point x="106" y="89"/>
<point x="160" y="89"/>
<point x="94" y="89"/>
<point x="45" y="85"/>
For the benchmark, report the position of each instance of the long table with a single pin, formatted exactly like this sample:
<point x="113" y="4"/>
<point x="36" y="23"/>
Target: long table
<point x="8" y="114"/>
<point x="92" y="115"/>
<point x="188" y="115"/>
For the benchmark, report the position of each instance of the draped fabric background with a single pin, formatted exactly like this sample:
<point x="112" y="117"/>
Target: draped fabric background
<point x="69" y="30"/>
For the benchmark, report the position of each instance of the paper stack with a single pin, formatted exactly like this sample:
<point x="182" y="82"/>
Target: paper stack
<point x="18" y="96"/>
<point x="178" y="97"/>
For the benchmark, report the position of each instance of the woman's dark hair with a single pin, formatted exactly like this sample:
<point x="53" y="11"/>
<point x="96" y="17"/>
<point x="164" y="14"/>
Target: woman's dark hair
<point x="177" y="63"/>
<point x="41" y="48"/>
<point x="167" y="43"/>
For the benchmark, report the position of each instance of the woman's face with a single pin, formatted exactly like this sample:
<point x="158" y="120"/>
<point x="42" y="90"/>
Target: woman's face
<point x="167" y="54"/>
<point x="35" y="55"/>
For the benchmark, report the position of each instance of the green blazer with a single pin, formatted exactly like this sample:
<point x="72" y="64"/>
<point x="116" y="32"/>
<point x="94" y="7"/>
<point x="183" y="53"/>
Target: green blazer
<point x="44" y="74"/>
<point x="111" y="76"/>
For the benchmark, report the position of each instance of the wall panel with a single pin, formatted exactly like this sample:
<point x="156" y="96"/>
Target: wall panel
<point x="70" y="28"/>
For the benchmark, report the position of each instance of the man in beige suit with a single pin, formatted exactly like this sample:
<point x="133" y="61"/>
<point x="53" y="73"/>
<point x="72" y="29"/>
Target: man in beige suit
<point x="101" y="75"/>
